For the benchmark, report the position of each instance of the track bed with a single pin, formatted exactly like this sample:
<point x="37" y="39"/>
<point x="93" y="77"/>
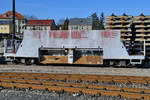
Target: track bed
<point x="95" y="85"/>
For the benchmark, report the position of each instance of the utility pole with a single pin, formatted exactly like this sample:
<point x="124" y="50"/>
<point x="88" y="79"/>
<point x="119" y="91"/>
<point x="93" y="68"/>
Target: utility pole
<point x="132" y="40"/>
<point x="13" y="26"/>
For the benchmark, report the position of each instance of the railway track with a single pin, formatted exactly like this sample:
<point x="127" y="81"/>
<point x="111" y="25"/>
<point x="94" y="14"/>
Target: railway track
<point x="74" y="83"/>
<point x="79" y="77"/>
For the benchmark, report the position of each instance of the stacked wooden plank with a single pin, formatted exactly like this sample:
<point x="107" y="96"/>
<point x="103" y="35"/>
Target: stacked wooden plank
<point x="142" y="25"/>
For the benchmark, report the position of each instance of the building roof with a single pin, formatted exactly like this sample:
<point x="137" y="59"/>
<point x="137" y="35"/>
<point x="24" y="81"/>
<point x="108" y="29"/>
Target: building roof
<point x="40" y="22"/>
<point x="8" y="15"/>
<point x="80" y="21"/>
<point x="5" y="22"/>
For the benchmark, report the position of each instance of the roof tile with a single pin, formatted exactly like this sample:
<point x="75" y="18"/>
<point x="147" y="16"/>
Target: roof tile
<point x="40" y="22"/>
<point x="8" y="15"/>
<point x="80" y="21"/>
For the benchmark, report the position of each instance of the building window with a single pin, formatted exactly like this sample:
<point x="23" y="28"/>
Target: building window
<point x="45" y="28"/>
<point x="1" y="28"/>
<point x="77" y="27"/>
<point x="33" y="27"/>
<point x="82" y="27"/>
<point x="5" y="28"/>
<point x="23" y="27"/>
<point x="30" y="28"/>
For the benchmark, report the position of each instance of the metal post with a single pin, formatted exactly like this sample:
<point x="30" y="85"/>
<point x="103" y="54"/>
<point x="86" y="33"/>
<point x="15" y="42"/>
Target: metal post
<point x="13" y="26"/>
<point x="144" y="48"/>
<point x="132" y="40"/>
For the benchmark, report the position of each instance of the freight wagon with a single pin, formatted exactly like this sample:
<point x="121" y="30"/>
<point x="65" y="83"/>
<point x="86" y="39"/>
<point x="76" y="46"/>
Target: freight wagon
<point x="91" y="47"/>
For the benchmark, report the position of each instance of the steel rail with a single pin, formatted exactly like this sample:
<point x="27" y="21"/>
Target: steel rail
<point x="79" y="77"/>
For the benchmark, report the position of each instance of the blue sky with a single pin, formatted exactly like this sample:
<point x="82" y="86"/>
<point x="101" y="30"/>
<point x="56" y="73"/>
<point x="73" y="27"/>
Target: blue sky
<point x="58" y="9"/>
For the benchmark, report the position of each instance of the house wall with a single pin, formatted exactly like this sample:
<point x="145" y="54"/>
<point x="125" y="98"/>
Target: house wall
<point x="20" y="24"/>
<point x="5" y="29"/>
<point x="80" y="27"/>
<point x="38" y="27"/>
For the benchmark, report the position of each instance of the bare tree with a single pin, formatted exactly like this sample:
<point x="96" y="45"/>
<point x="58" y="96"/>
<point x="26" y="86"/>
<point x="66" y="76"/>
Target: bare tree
<point x="61" y="21"/>
<point x="30" y="17"/>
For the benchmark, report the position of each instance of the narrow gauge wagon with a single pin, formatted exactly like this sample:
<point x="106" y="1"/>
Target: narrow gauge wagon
<point x="96" y="47"/>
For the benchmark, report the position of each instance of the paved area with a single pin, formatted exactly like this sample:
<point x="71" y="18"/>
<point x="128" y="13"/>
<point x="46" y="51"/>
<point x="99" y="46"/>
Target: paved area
<point x="76" y="70"/>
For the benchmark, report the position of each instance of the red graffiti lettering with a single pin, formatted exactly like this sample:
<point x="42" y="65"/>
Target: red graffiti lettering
<point x="75" y="35"/>
<point x="58" y="34"/>
<point x="64" y="34"/>
<point x="78" y="34"/>
<point x="37" y="34"/>
<point x="109" y="34"/>
<point x="55" y="35"/>
<point x="50" y="34"/>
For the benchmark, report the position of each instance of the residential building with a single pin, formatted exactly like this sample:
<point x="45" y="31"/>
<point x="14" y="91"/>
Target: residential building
<point x="5" y="27"/>
<point x="41" y="25"/>
<point x="142" y="30"/>
<point x="80" y="24"/>
<point x="20" y="21"/>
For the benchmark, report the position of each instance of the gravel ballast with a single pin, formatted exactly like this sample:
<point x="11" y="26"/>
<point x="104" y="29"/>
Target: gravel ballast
<point x="8" y="94"/>
<point x="76" y="70"/>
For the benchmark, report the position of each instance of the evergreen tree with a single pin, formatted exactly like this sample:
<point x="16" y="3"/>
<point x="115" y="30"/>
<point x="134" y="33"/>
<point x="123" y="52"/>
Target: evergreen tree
<point x="66" y="23"/>
<point x="102" y="21"/>
<point x="95" y="19"/>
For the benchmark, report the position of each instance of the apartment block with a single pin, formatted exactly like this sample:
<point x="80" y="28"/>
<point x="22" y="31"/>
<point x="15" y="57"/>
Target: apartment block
<point x="142" y="27"/>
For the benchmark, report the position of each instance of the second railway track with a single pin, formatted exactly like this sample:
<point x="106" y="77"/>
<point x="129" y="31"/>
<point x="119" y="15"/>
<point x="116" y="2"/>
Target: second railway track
<point x="77" y="83"/>
<point x="79" y="77"/>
